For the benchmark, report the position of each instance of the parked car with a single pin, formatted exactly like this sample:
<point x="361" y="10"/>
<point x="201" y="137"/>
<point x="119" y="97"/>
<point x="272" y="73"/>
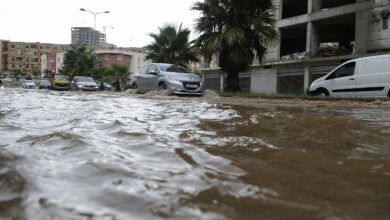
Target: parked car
<point x="163" y="76"/>
<point x="28" y="84"/>
<point x="84" y="83"/>
<point x="367" y="76"/>
<point x="44" y="84"/>
<point x="59" y="81"/>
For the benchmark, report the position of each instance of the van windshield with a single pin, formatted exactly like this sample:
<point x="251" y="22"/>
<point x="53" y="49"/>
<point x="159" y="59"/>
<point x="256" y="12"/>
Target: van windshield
<point x="344" y="71"/>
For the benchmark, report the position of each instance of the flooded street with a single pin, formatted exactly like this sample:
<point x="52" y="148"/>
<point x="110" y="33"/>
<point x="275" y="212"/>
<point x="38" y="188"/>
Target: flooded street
<point x="80" y="155"/>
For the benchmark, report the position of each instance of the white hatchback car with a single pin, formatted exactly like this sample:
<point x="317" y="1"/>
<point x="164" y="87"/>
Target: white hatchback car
<point x="28" y="84"/>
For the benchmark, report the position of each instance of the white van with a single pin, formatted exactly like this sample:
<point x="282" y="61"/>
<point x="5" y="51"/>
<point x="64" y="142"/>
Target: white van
<point x="367" y="76"/>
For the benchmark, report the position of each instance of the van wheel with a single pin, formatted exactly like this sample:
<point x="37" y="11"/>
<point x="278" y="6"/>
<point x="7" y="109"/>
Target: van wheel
<point x="388" y="94"/>
<point x="161" y="86"/>
<point x="134" y="86"/>
<point x="322" y="93"/>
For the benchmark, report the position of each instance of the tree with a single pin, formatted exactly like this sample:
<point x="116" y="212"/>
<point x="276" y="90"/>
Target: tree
<point x="172" y="46"/>
<point x="237" y="31"/>
<point x="36" y="72"/>
<point x="116" y="73"/>
<point x="77" y="61"/>
<point x="121" y="74"/>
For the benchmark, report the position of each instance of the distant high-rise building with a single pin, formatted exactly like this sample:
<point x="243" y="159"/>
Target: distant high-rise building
<point x="87" y="36"/>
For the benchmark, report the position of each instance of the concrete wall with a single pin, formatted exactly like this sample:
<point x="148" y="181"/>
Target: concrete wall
<point x="379" y="26"/>
<point x="59" y="61"/>
<point x="264" y="80"/>
<point x="137" y="60"/>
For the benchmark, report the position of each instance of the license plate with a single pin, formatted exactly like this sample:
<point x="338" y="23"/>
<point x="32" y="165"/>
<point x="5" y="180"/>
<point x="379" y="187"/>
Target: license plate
<point x="192" y="86"/>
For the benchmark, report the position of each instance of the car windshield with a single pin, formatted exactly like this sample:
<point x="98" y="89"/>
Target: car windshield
<point x="172" y="68"/>
<point x="45" y="82"/>
<point x="28" y="81"/>
<point x="60" y="77"/>
<point x="84" y="79"/>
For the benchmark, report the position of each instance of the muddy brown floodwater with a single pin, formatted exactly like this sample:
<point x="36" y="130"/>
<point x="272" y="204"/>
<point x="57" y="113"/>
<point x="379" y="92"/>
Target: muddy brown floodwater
<point x="74" y="155"/>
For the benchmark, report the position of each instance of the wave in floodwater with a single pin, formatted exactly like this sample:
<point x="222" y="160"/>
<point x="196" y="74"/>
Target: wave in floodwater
<point x="74" y="155"/>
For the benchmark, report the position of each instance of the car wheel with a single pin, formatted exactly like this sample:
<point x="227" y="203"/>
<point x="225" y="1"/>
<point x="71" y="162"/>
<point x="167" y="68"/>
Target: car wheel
<point x="161" y="86"/>
<point x="322" y="93"/>
<point x="134" y="86"/>
<point x="388" y="94"/>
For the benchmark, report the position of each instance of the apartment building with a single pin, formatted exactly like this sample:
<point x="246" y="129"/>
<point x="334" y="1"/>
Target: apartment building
<point x="87" y="36"/>
<point x="24" y="55"/>
<point x="315" y="37"/>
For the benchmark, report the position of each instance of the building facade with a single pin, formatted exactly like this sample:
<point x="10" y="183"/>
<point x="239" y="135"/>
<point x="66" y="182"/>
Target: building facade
<point x="51" y="63"/>
<point x="315" y="37"/>
<point x="133" y="60"/>
<point x="24" y="55"/>
<point x="87" y="36"/>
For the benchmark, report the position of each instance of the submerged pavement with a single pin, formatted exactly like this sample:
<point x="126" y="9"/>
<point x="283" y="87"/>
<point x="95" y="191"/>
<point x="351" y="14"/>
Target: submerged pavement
<point x="80" y="155"/>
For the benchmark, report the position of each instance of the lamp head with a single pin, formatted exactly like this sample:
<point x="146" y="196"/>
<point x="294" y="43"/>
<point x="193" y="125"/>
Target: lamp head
<point x="82" y="9"/>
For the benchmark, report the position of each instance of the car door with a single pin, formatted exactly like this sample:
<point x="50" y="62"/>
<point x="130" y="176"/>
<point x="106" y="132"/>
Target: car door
<point x="342" y="81"/>
<point x="152" y="77"/>
<point x="140" y="78"/>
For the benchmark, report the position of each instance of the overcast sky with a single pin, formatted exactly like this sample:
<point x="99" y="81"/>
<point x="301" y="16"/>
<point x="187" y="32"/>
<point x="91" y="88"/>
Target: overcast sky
<point x="128" y="23"/>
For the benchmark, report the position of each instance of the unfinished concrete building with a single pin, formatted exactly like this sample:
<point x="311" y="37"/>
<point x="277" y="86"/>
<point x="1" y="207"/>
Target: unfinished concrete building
<point x="315" y="37"/>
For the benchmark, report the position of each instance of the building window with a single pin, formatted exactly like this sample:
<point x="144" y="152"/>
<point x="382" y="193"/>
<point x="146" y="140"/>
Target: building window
<point x="107" y="57"/>
<point x="119" y="57"/>
<point x="19" y="46"/>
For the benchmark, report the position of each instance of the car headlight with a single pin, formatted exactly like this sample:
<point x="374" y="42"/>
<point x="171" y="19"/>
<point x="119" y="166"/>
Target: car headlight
<point x="79" y="85"/>
<point x="174" y="79"/>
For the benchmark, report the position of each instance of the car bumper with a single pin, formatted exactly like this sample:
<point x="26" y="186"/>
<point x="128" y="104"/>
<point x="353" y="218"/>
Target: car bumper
<point x="61" y="87"/>
<point x="185" y="88"/>
<point x="88" y="88"/>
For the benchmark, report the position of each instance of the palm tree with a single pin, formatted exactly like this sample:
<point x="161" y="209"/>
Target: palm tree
<point x="171" y="46"/>
<point x="238" y="31"/>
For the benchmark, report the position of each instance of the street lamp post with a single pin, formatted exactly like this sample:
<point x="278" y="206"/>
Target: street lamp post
<point x="94" y="15"/>
<point x="94" y="27"/>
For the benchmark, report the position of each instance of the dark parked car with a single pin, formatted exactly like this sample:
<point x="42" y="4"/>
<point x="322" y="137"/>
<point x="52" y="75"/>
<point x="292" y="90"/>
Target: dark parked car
<point x="83" y="83"/>
<point x="44" y="84"/>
